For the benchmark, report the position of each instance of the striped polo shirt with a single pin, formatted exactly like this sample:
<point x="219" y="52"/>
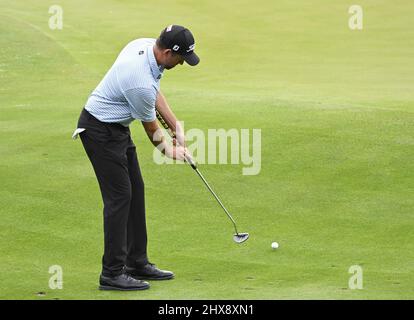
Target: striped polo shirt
<point x="129" y="89"/>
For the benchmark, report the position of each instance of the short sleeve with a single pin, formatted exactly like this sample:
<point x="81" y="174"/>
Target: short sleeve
<point x="142" y="103"/>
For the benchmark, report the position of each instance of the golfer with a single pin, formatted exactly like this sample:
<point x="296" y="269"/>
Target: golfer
<point x="131" y="90"/>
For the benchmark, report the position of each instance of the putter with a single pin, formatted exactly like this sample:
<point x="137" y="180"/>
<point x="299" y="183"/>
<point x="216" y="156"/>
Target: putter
<point x="238" y="237"/>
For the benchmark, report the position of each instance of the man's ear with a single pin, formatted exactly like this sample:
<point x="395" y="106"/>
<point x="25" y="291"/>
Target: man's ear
<point x="168" y="52"/>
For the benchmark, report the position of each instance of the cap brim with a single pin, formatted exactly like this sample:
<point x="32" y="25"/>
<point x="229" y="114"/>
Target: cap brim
<point x="192" y="59"/>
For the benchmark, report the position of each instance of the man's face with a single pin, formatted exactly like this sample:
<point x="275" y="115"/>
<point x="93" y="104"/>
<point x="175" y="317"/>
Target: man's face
<point x="172" y="59"/>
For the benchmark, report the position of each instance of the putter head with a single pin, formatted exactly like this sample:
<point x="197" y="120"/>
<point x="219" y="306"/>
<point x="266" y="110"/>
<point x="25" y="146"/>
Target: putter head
<point x="240" y="237"/>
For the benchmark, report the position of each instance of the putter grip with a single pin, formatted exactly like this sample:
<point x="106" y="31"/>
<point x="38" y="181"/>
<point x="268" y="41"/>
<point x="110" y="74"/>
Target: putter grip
<point x="172" y="134"/>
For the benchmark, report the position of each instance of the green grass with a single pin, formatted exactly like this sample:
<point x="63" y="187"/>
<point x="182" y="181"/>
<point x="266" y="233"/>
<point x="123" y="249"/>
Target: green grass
<point x="335" y="108"/>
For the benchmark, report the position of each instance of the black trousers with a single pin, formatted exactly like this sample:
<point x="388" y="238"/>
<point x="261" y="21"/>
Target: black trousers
<point x="114" y="159"/>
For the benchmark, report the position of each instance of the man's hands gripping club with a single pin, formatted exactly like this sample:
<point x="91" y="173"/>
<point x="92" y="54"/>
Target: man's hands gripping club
<point x="178" y="149"/>
<point x="155" y="134"/>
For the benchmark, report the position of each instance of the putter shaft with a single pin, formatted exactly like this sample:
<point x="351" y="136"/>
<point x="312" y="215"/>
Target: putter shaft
<point x="217" y="198"/>
<point x="194" y="166"/>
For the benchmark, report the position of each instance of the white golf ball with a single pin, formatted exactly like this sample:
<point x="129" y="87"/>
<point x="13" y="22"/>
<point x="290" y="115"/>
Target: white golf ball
<point x="275" y="245"/>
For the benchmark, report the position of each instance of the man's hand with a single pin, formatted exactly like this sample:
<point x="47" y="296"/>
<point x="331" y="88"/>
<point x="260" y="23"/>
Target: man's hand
<point x="176" y="152"/>
<point x="188" y="155"/>
<point x="179" y="134"/>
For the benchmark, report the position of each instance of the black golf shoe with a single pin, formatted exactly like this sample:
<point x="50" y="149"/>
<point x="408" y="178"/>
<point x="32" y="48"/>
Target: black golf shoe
<point x="149" y="272"/>
<point x="123" y="282"/>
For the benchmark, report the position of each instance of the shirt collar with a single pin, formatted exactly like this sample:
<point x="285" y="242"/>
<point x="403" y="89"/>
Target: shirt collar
<point x="156" y="70"/>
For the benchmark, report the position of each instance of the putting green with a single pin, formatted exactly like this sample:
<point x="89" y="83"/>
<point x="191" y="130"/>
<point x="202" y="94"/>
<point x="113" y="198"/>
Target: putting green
<point x="335" y="109"/>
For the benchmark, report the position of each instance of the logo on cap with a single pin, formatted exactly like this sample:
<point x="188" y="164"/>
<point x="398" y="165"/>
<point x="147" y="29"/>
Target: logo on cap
<point x="191" y="48"/>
